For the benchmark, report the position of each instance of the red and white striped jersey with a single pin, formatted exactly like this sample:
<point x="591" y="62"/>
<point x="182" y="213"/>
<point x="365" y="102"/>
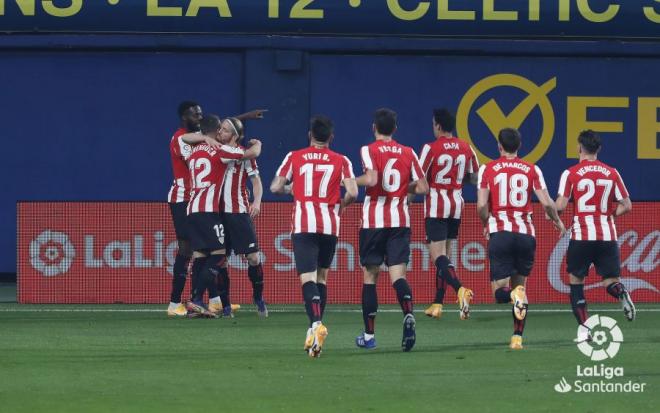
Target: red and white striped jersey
<point x="179" y="153"/>
<point x="511" y="183"/>
<point x="207" y="174"/>
<point x="445" y="162"/>
<point x="595" y="188"/>
<point x="235" y="198"/>
<point x="316" y="175"/>
<point x="386" y="203"/>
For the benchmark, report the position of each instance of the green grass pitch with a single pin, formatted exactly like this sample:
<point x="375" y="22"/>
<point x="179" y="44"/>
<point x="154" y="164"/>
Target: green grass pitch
<point x="66" y="359"/>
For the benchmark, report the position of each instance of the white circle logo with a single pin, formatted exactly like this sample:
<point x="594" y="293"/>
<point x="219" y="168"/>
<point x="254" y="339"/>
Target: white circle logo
<point x="51" y="253"/>
<point x="606" y="338"/>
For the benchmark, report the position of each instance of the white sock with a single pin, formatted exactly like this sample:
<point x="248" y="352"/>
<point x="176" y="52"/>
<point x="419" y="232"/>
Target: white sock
<point x="368" y="337"/>
<point x="315" y="324"/>
<point x="215" y="300"/>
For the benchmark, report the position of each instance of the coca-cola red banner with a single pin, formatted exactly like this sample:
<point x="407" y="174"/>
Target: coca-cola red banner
<point x="115" y="252"/>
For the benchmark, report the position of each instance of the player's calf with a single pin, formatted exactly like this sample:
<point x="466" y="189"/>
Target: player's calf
<point x="579" y="303"/>
<point x="618" y="291"/>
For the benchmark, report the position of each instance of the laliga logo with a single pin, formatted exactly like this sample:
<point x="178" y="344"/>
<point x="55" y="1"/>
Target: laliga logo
<point x="51" y="253"/>
<point x="492" y="115"/>
<point x="650" y="245"/>
<point x="606" y="338"/>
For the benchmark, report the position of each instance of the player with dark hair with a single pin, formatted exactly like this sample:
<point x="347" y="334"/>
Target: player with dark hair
<point x="391" y="171"/>
<point x="505" y="209"/>
<point x="237" y="216"/>
<point x="599" y="195"/>
<point x="190" y="114"/>
<point x="316" y="175"/>
<point x="446" y="162"/>
<point x="207" y="172"/>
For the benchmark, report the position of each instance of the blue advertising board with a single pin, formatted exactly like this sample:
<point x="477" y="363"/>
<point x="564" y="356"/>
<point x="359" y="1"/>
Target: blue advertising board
<point x="453" y="18"/>
<point x="86" y="126"/>
<point x="549" y="99"/>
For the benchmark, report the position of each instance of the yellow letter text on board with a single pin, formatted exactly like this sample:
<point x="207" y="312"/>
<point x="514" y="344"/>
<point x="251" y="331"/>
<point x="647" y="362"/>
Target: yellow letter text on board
<point x="564" y="10"/>
<point x="220" y="5"/>
<point x="416" y="14"/>
<point x="300" y="10"/>
<point x="534" y="10"/>
<point x="491" y="14"/>
<point x="445" y="14"/>
<point x="153" y="9"/>
<point x="651" y="14"/>
<point x="68" y="11"/>
<point x="576" y="119"/>
<point x="648" y="128"/>
<point x="26" y="6"/>
<point x="592" y="16"/>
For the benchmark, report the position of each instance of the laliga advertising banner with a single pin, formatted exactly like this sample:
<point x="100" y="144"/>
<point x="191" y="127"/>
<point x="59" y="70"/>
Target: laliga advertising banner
<point x="111" y="252"/>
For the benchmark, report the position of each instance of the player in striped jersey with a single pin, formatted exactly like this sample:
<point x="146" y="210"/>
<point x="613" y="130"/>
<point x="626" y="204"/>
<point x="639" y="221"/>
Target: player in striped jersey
<point x="391" y="171"/>
<point x="190" y="114"/>
<point x="207" y="235"/>
<point x="599" y="195"/>
<point x="447" y="162"/>
<point x="316" y="174"/>
<point x="237" y="216"/>
<point x="504" y="207"/>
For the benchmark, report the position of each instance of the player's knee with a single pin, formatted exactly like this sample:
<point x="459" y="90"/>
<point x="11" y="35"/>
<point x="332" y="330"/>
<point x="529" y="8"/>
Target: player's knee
<point x="518" y="280"/>
<point x="322" y="275"/>
<point x="253" y="259"/>
<point x="575" y="280"/>
<point x="370" y="274"/>
<point x="184" y="248"/>
<point x="610" y="280"/>
<point x="307" y="277"/>
<point x="214" y="264"/>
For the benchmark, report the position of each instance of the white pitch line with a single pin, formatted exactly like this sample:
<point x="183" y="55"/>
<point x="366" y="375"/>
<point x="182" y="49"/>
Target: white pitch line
<point x="276" y="310"/>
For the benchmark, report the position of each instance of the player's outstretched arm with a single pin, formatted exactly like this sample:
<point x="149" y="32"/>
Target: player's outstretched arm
<point x="624" y="206"/>
<point x="351" y="192"/>
<point x="196" y="138"/>
<point x="252" y="115"/>
<point x="257" y="191"/>
<point x="550" y="209"/>
<point x="254" y="151"/>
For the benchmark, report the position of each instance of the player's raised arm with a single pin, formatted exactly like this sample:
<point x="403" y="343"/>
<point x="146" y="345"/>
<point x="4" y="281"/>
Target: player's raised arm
<point x="252" y="115"/>
<point x="196" y="138"/>
<point x="541" y="191"/>
<point x="254" y="151"/>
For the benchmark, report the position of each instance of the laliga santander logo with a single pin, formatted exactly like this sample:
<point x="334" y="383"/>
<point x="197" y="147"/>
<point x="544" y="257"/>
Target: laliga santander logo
<point x="606" y="338"/>
<point x="634" y="263"/>
<point x="51" y="253"/>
